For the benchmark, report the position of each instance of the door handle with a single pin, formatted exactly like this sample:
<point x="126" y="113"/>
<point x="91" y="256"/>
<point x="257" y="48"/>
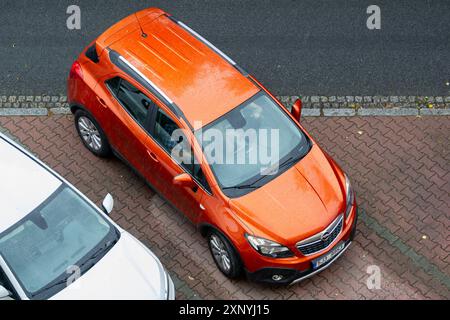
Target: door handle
<point x="101" y="101"/>
<point x="153" y="156"/>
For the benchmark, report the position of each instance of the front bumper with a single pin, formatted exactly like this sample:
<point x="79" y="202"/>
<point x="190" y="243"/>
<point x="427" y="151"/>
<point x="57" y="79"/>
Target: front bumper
<point x="291" y="275"/>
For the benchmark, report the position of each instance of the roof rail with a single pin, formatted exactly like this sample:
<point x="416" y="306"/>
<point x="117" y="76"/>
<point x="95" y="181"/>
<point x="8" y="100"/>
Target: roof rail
<point x="209" y="44"/>
<point x="133" y="72"/>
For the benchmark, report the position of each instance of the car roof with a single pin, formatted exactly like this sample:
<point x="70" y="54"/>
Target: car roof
<point x="202" y="82"/>
<point x="24" y="183"/>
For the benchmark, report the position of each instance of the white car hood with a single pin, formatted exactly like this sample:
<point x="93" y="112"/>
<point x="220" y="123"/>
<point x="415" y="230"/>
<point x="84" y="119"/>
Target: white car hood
<point x="128" y="271"/>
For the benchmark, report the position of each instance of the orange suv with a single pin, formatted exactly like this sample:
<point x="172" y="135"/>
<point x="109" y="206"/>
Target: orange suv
<point x="211" y="140"/>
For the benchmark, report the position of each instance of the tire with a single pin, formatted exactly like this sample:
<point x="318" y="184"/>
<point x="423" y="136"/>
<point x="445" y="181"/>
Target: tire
<point x="91" y="134"/>
<point x="227" y="260"/>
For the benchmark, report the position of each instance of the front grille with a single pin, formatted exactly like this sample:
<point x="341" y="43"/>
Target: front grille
<point x="317" y="242"/>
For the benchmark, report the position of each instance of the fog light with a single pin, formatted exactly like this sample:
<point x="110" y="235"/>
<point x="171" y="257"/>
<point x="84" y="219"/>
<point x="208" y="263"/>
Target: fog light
<point x="277" y="277"/>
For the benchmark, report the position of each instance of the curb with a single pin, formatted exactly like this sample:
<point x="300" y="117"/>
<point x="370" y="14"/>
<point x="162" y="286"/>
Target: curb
<point x="313" y="106"/>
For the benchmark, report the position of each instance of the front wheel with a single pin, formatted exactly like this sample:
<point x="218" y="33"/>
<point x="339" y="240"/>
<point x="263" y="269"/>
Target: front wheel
<point x="224" y="254"/>
<point x="91" y="134"/>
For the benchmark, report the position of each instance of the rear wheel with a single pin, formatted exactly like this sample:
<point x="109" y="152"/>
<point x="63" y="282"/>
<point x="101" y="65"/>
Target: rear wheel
<point x="91" y="134"/>
<point x="224" y="254"/>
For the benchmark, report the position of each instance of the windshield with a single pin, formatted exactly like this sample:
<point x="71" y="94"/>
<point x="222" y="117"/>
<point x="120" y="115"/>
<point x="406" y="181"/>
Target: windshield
<point x="251" y="145"/>
<point x="43" y="249"/>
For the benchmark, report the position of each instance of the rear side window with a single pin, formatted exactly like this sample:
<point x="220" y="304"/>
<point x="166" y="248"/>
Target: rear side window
<point x="136" y="103"/>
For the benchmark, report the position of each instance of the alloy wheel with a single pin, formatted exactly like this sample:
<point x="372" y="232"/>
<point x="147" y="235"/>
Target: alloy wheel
<point x="220" y="254"/>
<point x="89" y="133"/>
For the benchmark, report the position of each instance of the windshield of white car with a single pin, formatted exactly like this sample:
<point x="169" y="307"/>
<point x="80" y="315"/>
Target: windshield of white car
<point x="56" y="243"/>
<point x="252" y="144"/>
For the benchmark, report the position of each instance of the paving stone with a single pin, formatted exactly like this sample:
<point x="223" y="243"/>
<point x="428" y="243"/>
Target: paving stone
<point x="388" y="112"/>
<point x="60" y="110"/>
<point x="315" y="99"/>
<point x="339" y="112"/>
<point x="23" y="111"/>
<point x="398" y="167"/>
<point x="310" y="112"/>
<point x="394" y="99"/>
<point x="434" y="112"/>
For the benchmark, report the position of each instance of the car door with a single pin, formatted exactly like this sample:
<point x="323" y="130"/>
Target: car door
<point x="186" y="199"/>
<point x="129" y="115"/>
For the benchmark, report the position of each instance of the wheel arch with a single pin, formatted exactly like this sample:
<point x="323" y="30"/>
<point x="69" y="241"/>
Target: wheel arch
<point x="204" y="229"/>
<point x="74" y="107"/>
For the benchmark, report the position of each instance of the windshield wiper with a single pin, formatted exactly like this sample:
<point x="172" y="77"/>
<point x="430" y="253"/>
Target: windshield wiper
<point x="252" y="185"/>
<point x="246" y="186"/>
<point x="293" y="159"/>
<point x="99" y="251"/>
<point x="288" y="161"/>
<point x="242" y="186"/>
<point x="94" y="256"/>
<point x="52" y="285"/>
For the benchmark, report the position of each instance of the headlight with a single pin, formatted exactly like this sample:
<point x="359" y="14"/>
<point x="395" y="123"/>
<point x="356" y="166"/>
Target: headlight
<point x="269" y="248"/>
<point x="349" y="197"/>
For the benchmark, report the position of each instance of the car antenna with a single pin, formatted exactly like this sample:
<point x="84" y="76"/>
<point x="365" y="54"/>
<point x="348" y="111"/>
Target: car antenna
<point x="143" y="34"/>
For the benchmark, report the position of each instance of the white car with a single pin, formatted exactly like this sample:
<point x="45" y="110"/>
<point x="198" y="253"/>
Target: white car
<point x="56" y="244"/>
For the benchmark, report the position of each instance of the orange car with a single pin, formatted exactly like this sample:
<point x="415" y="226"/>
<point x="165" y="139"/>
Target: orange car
<point x="163" y="99"/>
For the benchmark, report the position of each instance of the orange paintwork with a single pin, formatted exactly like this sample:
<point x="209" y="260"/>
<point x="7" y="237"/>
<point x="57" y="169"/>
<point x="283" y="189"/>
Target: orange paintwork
<point x="297" y="204"/>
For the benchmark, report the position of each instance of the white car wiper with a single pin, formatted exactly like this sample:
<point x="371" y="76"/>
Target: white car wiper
<point x="94" y="256"/>
<point x="100" y="250"/>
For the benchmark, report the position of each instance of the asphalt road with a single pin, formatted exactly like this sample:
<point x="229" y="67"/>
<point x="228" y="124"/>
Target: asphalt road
<point x="294" y="47"/>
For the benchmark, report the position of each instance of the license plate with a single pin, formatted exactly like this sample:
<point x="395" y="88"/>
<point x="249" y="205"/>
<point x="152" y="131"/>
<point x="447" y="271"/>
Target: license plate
<point x="316" y="263"/>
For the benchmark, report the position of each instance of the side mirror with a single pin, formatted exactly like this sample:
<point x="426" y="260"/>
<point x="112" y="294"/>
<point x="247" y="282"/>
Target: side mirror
<point x="184" y="180"/>
<point x="108" y="203"/>
<point x="296" y="110"/>
<point x="4" y="294"/>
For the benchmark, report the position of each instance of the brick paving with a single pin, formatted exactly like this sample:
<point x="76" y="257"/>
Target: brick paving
<point x="400" y="169"/>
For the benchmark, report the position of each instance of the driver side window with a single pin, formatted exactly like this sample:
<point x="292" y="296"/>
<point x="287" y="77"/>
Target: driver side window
<point x="177" y="145"/>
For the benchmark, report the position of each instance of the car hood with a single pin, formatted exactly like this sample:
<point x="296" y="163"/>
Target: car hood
<point x="295" y="205"/>
<point x="128" y="271"/>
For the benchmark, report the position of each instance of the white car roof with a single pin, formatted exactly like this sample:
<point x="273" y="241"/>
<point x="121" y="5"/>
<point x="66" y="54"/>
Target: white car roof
<point x="24" y="183"/>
